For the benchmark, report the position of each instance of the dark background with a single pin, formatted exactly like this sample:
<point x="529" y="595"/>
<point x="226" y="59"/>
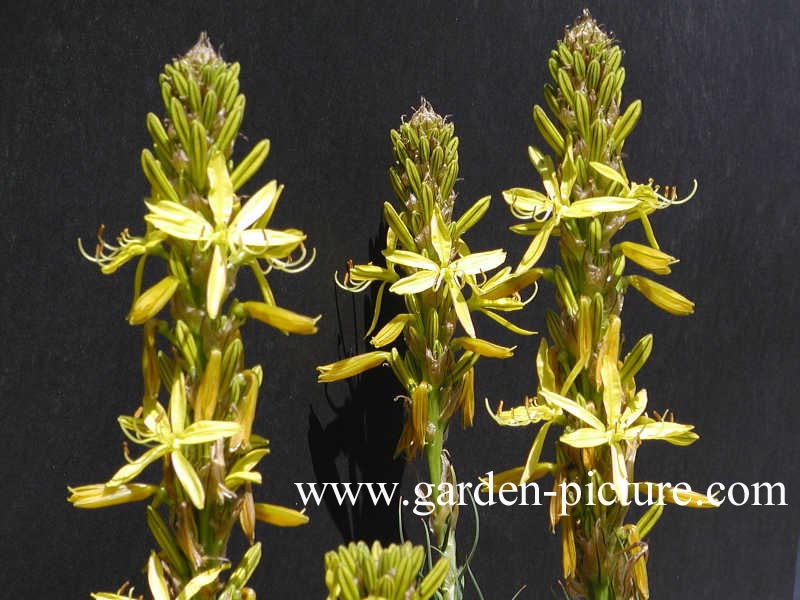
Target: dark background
<point x="720" y="90"/>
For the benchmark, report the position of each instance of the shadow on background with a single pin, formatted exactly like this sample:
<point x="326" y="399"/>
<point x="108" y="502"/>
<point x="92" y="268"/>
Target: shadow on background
<point x="365" y="428"/>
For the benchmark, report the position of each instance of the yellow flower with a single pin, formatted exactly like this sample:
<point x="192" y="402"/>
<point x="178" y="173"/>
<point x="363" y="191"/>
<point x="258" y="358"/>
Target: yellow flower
<point x="430" y="275"/>
<point x="169" y="435"/>
<point x="547" y="210"/>
<point x="234" y="240"/>
<point x="626" y="426"/>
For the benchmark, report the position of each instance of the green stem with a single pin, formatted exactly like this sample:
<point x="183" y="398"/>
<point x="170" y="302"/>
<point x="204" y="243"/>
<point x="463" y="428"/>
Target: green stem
<point x="601" y="591"/>
<point x="441" y="519"/>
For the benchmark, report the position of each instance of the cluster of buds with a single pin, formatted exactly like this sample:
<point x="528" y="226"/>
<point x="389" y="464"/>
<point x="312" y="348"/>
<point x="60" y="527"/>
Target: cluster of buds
<point x="585" y="387"/>
<point x="202" y="436"/>
<point x="431" y="267"/>
<point x="357" y="572"/>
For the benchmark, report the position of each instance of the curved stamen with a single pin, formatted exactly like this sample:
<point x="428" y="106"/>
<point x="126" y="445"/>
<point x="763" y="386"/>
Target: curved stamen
<point x="544" y="216"/>
<point x="675" y="201"/>
<point x="349" y="285"/>
<point x="295" y="265"/>
<point x="533" y="294"/>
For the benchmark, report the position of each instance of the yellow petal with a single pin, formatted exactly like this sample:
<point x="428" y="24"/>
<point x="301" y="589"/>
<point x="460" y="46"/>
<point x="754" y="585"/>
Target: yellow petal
<point x="257" y="205"/>
<point x="352" y="366"/>
<point x="370" y="272"/>
<point x="198" y="582"/>
<point x="544" y="369"/>
<point x="410" y="259"/>
<point x="440" y="236"/>
<point x="585" y="437"/>
<point x="190" y="480"/>
<point x="244" y="465"/>
<point x="152" y="300"/>
<point x="202" y="432"/>
<point x="535" y="453"/>
<point x="591" y="207"/>
<point x="415" y="283"/>
<point x="247" y="411"/>
<point x="132" y="469"/>
<point x="536" y="247"/>
<point x="619" y="472"/>
<point x="220" y="195"/>
<point x="663" y="297"/>
<point x="281" y="318"/>
<point x="634" y="409"/>
<point x="177" y="403"/>
<point x="156" y="579"/>
<point x="462" y="310"/>
<point x="177" y="220"/>
<point x="280" y="515"/>
<point x="484" y="348"/>
<point x="609" y="348"/>
<point x="612" y="391"/>
<point x="573" y="408"/>
<point x="674" y="433"/>
<point x="217" y="282"/>
<point x="525" y="203"/>
<point x="261" y="240"/>
<point x="609" y="173"/>
<point x="510" y="284"/>
<point x="472" y="264"/>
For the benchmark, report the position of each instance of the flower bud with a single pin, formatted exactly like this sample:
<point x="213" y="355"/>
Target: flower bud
<point x="151" y="301"/>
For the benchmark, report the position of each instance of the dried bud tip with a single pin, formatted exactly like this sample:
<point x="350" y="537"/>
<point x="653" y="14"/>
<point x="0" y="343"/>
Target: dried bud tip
<point x="202" y="53"/>
<point x="425" y="117"/>
<point x="585" y="32"/>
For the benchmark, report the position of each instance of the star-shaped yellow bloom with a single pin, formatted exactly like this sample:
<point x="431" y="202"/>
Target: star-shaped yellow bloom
<point x="233" y="237"/>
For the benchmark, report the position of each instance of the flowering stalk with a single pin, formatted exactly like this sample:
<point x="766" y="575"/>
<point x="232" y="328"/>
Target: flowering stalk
<point x="585" y="387"/>
<point x="431" y="267"/>
<point x="202" y="438"/>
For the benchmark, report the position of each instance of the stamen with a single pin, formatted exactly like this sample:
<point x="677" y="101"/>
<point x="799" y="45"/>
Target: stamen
<point x="349" y="285"/>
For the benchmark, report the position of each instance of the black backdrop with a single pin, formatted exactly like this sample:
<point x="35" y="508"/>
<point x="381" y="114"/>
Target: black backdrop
<point x="720" y="91"/>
